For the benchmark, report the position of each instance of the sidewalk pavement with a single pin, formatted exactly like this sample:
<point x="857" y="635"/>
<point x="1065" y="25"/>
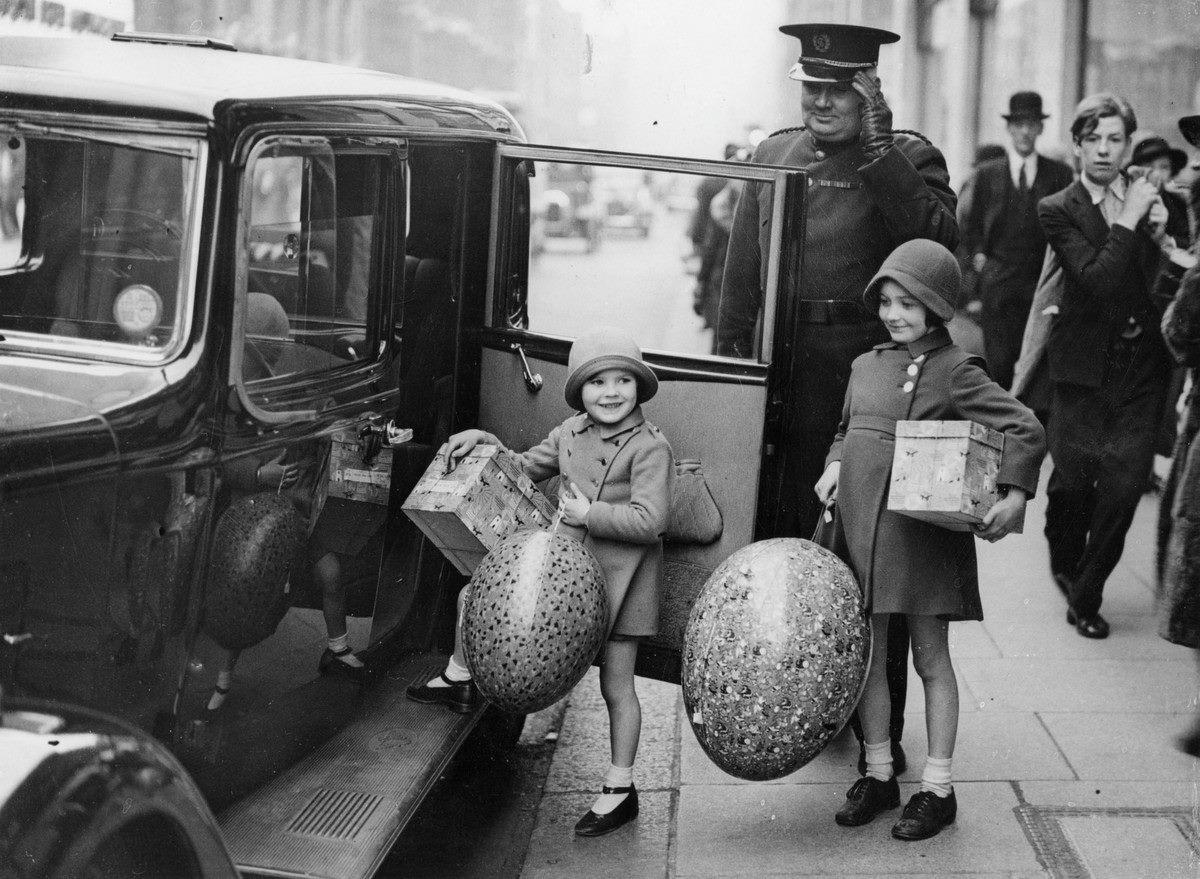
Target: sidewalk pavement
<point x="1065" y="764"/>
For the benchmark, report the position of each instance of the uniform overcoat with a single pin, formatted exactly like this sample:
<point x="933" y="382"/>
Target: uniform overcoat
<point x="626" y="471"/>
<point x="905" y="565"/>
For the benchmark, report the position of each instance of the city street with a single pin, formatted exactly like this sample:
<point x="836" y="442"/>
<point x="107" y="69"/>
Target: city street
<point x="1065" y="763"/>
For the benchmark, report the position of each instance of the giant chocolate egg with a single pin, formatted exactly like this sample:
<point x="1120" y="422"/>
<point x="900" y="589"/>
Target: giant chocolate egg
<point x="536" y="614"/>
<point x="775" y="655"/>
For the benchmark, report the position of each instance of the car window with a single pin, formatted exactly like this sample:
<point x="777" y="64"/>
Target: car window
<point x="312" y="251"/>
<point x="640" y="249"/>
<point x="95" y="240"/>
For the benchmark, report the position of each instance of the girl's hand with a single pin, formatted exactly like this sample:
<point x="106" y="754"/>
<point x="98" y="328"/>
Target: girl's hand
<point x="827" y="486"/>
<point x="461" y="444"/>
<point x="1002" y="518"/>
<point x="575" y="507"/>
<point x="276" y="475"/>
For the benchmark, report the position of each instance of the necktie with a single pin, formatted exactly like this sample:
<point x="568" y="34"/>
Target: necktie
<point x="1022" y="180"/>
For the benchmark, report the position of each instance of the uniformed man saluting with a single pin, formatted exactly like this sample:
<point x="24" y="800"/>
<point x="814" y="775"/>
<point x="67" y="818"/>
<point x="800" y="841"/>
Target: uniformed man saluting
<point x="871" y="189"/>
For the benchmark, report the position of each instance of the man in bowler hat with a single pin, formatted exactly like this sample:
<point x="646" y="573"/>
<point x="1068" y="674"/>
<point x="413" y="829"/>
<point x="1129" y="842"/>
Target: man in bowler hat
<point x="1000" y="231"/>
<point x="870" y="189"/>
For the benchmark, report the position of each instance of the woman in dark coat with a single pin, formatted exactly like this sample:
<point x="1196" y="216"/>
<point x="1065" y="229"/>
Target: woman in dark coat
<point x="906" y="565"/>
<point x="1179" y="517"/>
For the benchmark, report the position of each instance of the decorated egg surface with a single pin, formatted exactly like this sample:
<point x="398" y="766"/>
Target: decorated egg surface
<point x="775" y="655"/>
<point x="535" y="617"/>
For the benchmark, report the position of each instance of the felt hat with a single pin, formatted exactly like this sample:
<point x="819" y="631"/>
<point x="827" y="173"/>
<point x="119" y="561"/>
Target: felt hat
<point x="606" y="348"/>
<point x="1189" y="127"/>
<point x="926" y="270"/>
<point x="835" y="52"/>
<point x="1151" y="148"/>
<point x="1024" y="105"/>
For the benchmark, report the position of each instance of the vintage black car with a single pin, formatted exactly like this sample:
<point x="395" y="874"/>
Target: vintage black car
<point x="217" y="268"/>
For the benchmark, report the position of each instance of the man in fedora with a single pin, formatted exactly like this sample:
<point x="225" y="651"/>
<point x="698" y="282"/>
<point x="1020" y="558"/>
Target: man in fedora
<point x="1001" y="233"/>
<point x="870" y="190"/>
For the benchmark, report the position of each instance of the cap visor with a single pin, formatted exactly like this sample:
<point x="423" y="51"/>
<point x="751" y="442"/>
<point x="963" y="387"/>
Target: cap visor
<point x="798" y="73"/>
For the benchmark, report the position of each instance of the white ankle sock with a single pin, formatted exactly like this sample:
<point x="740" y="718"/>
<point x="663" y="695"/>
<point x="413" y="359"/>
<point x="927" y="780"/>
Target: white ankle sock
<point x="217" y="699"/>
<point x="617" y="776"/>
<point x="455" y="672"/>
<point x="879" y="759"/>
<point x="936" y="777"/>
<point x="342" y="643"/>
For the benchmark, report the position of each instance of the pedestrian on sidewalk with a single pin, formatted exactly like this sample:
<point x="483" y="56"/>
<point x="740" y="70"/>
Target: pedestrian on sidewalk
<point x="907" y="566"/>
<point x="1001" y="231"/>
<point x="1108" y="364"/>
<point x="871" y="188"/>
<point x="616" y="473"/>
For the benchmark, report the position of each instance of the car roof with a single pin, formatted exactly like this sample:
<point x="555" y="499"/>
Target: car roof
<point x="194" y="80"/>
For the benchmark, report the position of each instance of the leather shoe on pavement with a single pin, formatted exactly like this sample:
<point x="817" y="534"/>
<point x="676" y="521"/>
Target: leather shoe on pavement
<point x="1090" y="626"/>
<point x="899" y="761"/>
<point x="458" y="696"/>
<point x="625" y="811"/>
<point x="866" y="798"/>
<point x="925" y="815"/>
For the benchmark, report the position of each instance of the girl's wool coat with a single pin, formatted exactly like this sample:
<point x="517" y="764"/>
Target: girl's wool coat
<point x="627" y="476"/>
<point x="905" y="565"/>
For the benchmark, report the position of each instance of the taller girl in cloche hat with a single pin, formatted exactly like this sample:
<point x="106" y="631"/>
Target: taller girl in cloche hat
<point x="905" y="565"/>
<point x="615" y="495"/>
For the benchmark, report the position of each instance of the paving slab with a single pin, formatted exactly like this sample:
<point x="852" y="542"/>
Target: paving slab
<point x="639" y="849"/>
<point x="1119" y="847"/>
<point x="1133" y="636"/>
<point x="1121" y="746"/>
<point x="788" y="830"/>
<point x="1178" y="793"/>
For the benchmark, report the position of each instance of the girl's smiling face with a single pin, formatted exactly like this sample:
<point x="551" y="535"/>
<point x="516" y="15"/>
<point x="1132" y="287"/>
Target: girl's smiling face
<point x="610" y="395"/>
<point x="904" y="316"/>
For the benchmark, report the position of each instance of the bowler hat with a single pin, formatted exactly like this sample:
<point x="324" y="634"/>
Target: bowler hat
<point x="1025" y="105"/>
<point x="1151" y="148"/>
<point x="1189" y="127"/>
<point x="926" y="270"/>
<point x="835" y="52"/>
<point x="606" y="348"/>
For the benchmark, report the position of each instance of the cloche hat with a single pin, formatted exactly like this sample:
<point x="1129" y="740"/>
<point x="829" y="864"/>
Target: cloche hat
<point x="924" y="268"/>
<point x="606" y="348"/>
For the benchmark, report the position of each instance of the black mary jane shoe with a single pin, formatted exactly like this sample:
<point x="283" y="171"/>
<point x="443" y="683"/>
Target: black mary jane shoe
<point x="331" y="664"/>
<point x="899" y="761"/>
<point x="1089" y="626"/>
<point x="458" y="696"/>
<point x="592" y="824"/>
<point x="925" y="815"/>
<point x="866" y="798"/>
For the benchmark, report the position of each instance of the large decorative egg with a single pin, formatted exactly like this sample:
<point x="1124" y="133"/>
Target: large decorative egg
<point x="536" y="615"/>
<point x="775" y="656"/>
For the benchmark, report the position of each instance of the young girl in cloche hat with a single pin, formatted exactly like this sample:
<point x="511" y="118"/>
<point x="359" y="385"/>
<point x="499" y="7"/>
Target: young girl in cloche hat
<point x="906" y="565"/>
<point x="615" y="495"/>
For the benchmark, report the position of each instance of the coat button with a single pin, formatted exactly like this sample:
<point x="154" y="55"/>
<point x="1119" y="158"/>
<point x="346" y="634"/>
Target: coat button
<point x="820" y="154"/>
<point x="908" y="386"/>
<point x="913" y="369"/>
<point x="920" y="359"/>
<point x="603" y="462"/>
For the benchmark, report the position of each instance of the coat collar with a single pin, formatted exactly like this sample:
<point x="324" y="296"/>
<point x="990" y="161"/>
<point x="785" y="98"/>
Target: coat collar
<point x="631" y="422"/>
<point x="938" y="337"/>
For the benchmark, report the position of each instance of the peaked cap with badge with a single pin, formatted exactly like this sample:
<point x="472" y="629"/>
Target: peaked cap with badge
<point x="835" y="52"/>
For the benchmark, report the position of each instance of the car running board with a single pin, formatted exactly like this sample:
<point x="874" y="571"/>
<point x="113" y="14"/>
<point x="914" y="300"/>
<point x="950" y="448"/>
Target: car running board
<point x="335" y="814"/>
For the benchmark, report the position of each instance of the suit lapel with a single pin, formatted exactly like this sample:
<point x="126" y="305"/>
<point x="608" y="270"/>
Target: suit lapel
<point x="1091" y="221"/>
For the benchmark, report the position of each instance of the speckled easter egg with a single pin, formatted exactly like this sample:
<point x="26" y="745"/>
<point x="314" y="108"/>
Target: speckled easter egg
<point x="536" y="615"/>
<point x="775" y="655"/>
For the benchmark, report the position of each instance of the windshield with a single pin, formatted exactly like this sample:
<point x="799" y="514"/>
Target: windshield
<point x="94" y="240"/>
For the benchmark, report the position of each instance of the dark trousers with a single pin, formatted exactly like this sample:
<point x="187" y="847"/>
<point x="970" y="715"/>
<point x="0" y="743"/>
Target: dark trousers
<point x="1102" y="442"/>
<point x="897" y="678"/>
<point x="1006" y="289"/>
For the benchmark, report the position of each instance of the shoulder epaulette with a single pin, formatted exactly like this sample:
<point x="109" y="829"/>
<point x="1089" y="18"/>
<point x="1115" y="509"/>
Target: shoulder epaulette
<point x="786" y="130"/>
<point x="912" y="133"/>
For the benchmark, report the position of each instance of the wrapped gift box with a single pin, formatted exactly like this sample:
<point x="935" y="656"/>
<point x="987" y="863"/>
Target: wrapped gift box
<point x="467" y="511"/>
<point x="945" y="472"/>
<point x="352" y="476"/>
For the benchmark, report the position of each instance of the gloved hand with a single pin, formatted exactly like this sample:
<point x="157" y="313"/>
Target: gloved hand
<point x="876" y="134"/>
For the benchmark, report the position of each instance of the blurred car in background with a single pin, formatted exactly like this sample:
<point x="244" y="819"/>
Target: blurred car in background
<point x="627" y="202"/>
<point x="567" y="208"/>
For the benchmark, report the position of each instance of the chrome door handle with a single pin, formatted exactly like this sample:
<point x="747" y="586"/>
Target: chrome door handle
<point x="533" y="380"/>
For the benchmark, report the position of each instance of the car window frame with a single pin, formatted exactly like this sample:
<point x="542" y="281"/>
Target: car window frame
<point x="193" y="144"/>
<point x="305" y="396"/>
<point x="507" y="244"/>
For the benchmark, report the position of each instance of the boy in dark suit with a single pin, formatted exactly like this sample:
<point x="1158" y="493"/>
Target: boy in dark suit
<point x="1000" y="231"/>
<point x="1107" y="360"/>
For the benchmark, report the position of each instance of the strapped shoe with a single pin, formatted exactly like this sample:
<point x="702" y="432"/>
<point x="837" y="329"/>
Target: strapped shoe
<point x="592" y="824"/>
<point x="458" y="696"/>
<point x="925" y="816"/>
<point x="899" y="761"/>
<point x="866" y="798"/>
<point x="1089" y="626"/>
<point x="331" y="664"/>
